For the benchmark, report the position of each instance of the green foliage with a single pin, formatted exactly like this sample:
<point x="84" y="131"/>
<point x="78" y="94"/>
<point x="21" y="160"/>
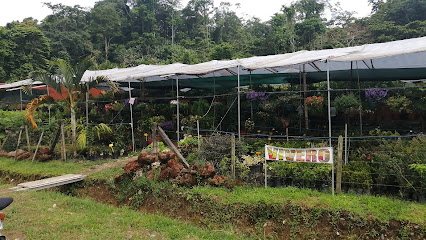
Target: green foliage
<point x="348" y="104"/>
<point x="399" y="103"/>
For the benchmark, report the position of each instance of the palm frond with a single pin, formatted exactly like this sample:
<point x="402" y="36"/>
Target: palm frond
<point x="48" y="79"/>
<point x="32" y="106"/>
<point x="27" y="89"/>
<point x="100" y="129"/>
<point x="81" y="142"/>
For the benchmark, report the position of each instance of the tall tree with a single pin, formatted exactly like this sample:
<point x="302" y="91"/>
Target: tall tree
<point x="105" y="23"/>
<point x="67" y="29"/>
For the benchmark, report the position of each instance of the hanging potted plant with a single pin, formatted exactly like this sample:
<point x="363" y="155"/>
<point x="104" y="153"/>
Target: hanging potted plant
<point x="315" y="104"/>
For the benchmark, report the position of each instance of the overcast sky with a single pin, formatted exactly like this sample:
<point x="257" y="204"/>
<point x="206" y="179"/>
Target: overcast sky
<point x="11" y="10"/>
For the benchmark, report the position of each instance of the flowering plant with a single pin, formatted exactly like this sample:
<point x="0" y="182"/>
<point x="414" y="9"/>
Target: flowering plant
<point x="255" y="96"/>
<point x="375" y="94"/>
<point x="314" y="101"/>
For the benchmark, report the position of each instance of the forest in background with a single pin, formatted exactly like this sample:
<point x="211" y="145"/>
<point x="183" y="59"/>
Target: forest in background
<point x="125" y="33"/>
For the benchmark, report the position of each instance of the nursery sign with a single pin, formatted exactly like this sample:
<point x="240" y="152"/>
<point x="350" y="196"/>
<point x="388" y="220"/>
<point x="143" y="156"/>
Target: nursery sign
<point x="312" y="155"/>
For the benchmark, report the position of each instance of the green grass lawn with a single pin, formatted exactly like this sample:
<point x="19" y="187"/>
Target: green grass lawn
<point x="381" y="208"/>
<point x="51" y="215"/>
<point x="50" y="168"/>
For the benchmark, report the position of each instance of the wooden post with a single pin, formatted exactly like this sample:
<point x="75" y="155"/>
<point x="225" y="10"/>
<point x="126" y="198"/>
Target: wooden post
<point x="28" y="138"/>
<point x="5" y="140"/>
<point x="233" y="156"/>
<point x="171" y="145"/>
<point x="38" y="145"/>
<point x="19" y="142"/>
<point x="339" y="165"/>
<point x="154" y="138"/>
<point x="63" y="150"/>
<point x="286" y="133"/>
<point x="305" y="91"/>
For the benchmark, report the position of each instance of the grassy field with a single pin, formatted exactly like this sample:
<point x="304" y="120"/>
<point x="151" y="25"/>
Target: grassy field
<point x="381" y="208"/>
<point x="51" y="215"/>
<point x="50" y="168"/>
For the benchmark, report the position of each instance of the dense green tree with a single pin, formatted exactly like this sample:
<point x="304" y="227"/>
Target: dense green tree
<point x="105" y="21"/>
<point x="67" y="29"/>
<point x="24" y="49"/>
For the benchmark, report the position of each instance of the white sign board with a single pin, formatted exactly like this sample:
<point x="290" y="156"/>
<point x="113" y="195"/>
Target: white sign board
<point x="311" y="155"/>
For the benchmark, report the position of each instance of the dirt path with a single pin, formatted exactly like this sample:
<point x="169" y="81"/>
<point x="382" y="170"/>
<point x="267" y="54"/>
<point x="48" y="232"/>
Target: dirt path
<point x="97" y="168"/>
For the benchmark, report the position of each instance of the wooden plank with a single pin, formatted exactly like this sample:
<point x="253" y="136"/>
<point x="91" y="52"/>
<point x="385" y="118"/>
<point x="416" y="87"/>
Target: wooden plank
<point x="172" y="146"/>
<point x="49" y="182"/>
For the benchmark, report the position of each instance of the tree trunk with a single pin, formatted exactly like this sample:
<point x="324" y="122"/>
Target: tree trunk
<point x="73" y="126"/>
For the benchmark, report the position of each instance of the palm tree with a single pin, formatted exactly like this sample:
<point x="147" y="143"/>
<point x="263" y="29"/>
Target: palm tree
<point x="66" y="79"/>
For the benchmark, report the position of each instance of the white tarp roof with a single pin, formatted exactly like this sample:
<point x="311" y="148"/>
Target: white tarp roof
<point x="409" y="53"/>
<point x="19" y="84"/>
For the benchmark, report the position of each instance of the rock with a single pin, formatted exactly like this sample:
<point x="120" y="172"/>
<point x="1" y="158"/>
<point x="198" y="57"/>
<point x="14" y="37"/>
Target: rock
<point x="163" y="157"/>
<point x="165" y="174"/>
<point x="145" y="159"/>
<point x="218" y="180"/>
<point x="43" y="157"/>
<point x="175" y="167"/>
<point x="170" y="170"/>
<point x="24" y="155"/>
<point x="3" y="153"/>
<point x="44" y="150"/>
<point x="188" y="180"/>
<point x="132" y="166"/>
<point x="15" y="153"/>
<point x="207" y="171"/>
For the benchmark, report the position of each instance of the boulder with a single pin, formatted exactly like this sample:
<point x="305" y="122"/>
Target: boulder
<point x="188" y="180"/>
<point x="218" y="180"/>
<point x="24" y="155"/>
<point x="44" y="150"/>
<point x="207" y="171"/>
<point x="145" y="159"/>
<point x="3" y="153"/>
<point x="170" y="170"/>
<point x="43" y="157"/>
<point x="132" y="166"/>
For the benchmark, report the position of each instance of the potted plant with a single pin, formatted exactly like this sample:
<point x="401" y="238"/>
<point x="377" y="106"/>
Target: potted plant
<point x="315" y="104"/>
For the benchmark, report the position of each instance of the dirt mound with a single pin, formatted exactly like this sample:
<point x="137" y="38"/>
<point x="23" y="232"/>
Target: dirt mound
<point x="174" y="171"/>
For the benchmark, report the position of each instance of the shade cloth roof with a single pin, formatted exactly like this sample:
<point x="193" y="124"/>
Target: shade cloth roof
<point x="397" y="60"/>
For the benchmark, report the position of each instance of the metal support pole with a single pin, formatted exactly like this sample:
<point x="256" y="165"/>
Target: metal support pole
<point x="305" y="90"/>
<point x="177" y="109"/>
<point x="329" y="101"/>
<point x="346" y="143"/>
<point x="239" y="106"/>
<point x="198" y="134"/>
<point x="20" y="96"/>
<point x="131" y="119"/>
<point x="87" y="104"/>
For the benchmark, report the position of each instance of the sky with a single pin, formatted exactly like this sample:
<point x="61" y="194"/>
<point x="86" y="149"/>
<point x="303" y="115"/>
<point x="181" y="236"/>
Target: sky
<point x="12" y="10"/>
